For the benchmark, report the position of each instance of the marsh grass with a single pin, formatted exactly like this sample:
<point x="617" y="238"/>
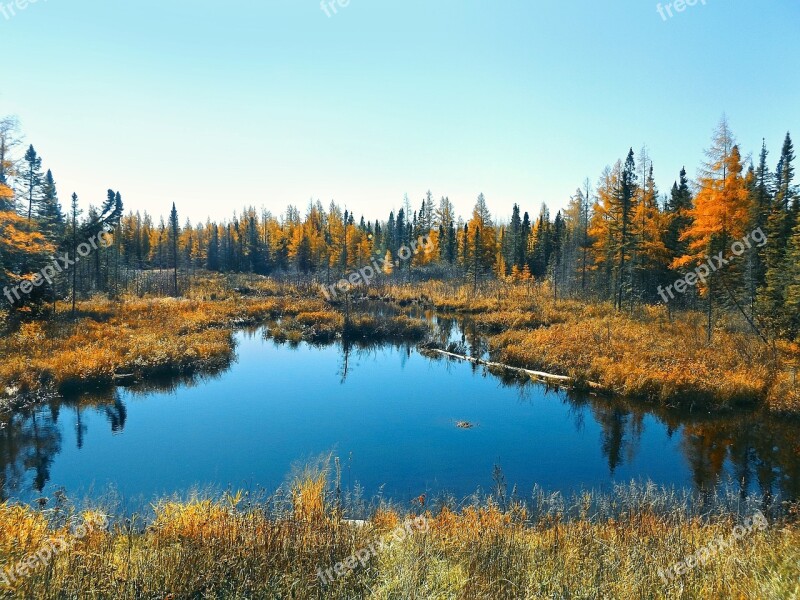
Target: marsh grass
<point x="590" y="545"/>
<point x="132" y="339"/>
<point x="644" y="354"/>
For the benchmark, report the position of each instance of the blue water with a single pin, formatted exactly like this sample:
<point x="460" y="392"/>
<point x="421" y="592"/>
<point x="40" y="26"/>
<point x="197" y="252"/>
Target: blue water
<point x="390" y="415"/>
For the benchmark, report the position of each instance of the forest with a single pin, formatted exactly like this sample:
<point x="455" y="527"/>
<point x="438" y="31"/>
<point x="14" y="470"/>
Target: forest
<point x="622" y="240"/>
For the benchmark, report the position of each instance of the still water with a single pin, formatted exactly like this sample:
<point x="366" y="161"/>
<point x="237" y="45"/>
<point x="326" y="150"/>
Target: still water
<point x="390" y="414"/>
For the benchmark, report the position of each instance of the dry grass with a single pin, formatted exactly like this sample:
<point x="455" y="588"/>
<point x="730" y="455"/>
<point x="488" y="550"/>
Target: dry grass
<point x="135" y="338"/>
<point x="641" y="355"/>
<point x="644" y="355"/>
<point x="595" y="547"/>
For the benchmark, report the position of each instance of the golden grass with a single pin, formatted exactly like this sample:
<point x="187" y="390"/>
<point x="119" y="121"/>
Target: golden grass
<point x="641" y="355"/>
<point x="231" y="548"/>
<point x="135" y="338"/>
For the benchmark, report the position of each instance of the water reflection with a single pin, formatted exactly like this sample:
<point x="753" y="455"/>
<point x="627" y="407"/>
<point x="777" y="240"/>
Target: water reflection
<point x="761" y="454"/>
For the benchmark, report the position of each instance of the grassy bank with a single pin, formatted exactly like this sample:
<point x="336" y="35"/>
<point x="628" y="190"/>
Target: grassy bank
<point x="130" y="339"/>
<point x="645" y="354"/>
<point x="589" y="547"/>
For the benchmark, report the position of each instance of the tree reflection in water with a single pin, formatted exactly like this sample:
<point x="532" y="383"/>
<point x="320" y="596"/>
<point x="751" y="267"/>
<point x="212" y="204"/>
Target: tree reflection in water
<point x="761" y="453"/>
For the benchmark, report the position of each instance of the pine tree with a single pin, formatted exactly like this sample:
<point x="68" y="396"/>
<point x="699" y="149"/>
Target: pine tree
<point x="32" y="181"/>
<point x="625" y="202"/>
<point x="74" y="213"/>
<point x="779" y="230"/>
<point x="761" y="199"/>
<point x="541" y="243"/>
<point x="612" y="228"/>
<point x="516" y="245"/>
<point x="174" y="234"/>
<point x="679" y="218"/>
<point x="212" y="255"/>
<point x="481" y="240"/>
<point x="48" y="210"/>
<point x="525" y="235"/>
<point x="792" y="296"/>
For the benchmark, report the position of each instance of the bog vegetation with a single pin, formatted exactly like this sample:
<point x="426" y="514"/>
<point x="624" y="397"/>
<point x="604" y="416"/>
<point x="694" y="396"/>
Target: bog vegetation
<point x="588" y="546"/>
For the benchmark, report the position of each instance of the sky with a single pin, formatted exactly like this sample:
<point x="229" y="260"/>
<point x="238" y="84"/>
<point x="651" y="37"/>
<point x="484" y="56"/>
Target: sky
<point x="218" y="105"/>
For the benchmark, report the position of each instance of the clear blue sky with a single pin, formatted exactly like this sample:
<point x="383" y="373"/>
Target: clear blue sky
<point x="215" y="105"/>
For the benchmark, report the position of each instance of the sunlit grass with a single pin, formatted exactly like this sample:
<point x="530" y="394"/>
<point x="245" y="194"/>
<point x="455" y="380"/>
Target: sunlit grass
<point x="592" y="546"/>
<point x="645" y="354"/>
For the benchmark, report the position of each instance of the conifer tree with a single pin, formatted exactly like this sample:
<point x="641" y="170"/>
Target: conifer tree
<point x="31" y="181"/>
<point x="174" y="234"/>
<point x="48" y="210"/>
<point x="792" y="296"/>
<point x="679" y="218"/>
<point x="761" y="200"/>
<point x="720" y="216"/>
<point x="779" y="230"/>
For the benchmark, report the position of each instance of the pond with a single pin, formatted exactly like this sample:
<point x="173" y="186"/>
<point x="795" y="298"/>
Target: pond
<point x="391" y="415"/>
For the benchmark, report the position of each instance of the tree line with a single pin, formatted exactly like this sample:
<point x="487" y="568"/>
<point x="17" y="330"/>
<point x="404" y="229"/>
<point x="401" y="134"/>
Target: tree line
<point x="38" y="237"/>
<point x="621" y="240"/>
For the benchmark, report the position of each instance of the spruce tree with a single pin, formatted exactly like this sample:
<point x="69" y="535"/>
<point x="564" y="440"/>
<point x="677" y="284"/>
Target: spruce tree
<point x="761" y="200"/>
<point x="792" y="296"/>
<point x="48" y="210"/>
<point x="31" y="180"/>
<point x="779" y="230"/>
<point x="516" y="243"/>
<point x="626" y="203"/>
<point x="679" y="217"/>
<point x="174" y="233"/>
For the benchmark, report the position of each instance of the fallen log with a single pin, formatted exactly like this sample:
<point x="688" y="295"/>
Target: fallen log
<point x="539" y="375"/>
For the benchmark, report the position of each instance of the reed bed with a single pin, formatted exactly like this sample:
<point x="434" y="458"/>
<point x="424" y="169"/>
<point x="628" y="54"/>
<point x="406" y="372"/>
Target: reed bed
<point x="590" y="545"/>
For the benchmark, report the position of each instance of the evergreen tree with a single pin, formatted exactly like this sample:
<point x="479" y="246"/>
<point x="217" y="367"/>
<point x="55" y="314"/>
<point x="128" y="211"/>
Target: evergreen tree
<point x="541" y="243"/>
<point x="32" y="181"/>
<point x="48" y="210"/>
<point x="516" y="243"/>
<point x="212" y="255"/>
<point x="625" y="200"/>
<point x="792" y="296"/>
<point x="779" y="230"/>
<point x="73" y="235"/>
<point x="761" y="200"/>
<point x="174" y="234"/>
<point x="679" y="218"/>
